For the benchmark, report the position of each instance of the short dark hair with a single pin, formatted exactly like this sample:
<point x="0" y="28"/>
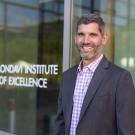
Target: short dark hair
<point x="92" y="18"/>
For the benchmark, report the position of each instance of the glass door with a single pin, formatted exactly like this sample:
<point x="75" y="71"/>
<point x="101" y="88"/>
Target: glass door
<point x="31" y="50"/>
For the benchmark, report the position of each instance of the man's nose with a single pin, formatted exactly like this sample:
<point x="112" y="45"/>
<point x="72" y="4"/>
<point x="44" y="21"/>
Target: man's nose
<point x="86" y="39"/>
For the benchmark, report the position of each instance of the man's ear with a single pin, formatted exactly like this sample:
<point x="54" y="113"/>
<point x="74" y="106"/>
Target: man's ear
<point x="105" y="38"/>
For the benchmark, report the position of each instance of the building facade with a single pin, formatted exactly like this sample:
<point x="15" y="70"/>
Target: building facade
<point x="37" y="45"/>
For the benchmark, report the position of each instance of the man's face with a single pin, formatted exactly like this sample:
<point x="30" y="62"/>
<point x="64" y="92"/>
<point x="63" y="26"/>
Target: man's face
<point x="89" y="41"/>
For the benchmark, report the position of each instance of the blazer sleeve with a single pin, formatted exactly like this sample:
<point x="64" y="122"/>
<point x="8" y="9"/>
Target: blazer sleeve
<point x="59" y="124"/>
<point x="125" y="105"/>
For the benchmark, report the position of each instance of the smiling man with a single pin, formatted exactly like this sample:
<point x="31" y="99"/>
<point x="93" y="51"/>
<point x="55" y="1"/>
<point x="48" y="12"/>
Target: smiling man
<point x="96" y="97"/>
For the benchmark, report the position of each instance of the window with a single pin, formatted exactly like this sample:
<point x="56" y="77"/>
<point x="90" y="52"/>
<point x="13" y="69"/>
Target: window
<point x="120" y="18"/>
<point x="31" y="33"/>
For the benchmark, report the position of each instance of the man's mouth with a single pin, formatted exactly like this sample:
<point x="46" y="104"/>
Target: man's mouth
<point x="89" y="46"/>
<point x="86" y="48"/>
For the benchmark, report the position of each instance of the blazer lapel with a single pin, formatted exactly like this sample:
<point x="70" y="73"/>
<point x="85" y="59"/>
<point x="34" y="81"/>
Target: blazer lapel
<point x="94" y="84"/>
<point x="71" y="87"/>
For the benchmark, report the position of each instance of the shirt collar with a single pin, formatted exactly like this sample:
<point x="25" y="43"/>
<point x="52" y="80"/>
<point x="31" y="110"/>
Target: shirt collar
<point x="92" y="66"/>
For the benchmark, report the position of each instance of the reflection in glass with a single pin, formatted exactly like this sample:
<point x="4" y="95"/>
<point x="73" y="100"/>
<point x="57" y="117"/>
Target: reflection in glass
<point x="32" y="34"/>
<point x="25" y="2"/>
<point x="22" y="34"/>
<point x="1" y="31"/>
<point x="20" y="45"/>
<point x="121" y="8"/>
<point x="1" y="15"/>
<point x="124" y="33"/>
<point x="50" y="52"/>
<point x="119" y="17"/>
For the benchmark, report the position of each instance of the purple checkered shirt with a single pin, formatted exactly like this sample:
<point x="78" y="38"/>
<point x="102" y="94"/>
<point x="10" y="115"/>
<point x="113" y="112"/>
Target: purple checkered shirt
<point x="84" y="77"/>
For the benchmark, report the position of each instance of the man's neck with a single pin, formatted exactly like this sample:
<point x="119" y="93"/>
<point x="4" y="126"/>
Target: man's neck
<point x="86" y="62"/>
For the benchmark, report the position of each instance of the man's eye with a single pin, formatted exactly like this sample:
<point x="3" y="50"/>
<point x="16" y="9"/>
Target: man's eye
<point x="80" y="34"/>
<point x="93" y="34"/>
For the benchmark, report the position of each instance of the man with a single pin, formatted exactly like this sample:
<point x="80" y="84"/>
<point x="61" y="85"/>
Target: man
<point x="96" y="97"/>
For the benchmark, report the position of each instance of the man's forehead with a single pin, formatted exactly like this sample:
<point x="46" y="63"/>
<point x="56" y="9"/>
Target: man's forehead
<point x="88" y="27"/>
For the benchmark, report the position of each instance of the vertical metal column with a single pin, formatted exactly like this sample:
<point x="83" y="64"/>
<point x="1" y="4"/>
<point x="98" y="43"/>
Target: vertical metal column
<point x="12" y="115"/>
<point x="67" y="38"/>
